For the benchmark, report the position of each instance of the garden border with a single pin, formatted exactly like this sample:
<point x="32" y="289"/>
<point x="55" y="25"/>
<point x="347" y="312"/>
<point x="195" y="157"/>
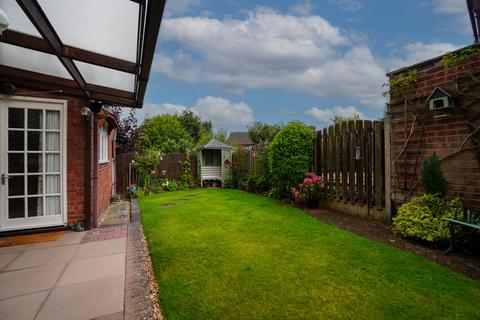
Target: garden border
<point x="141" y="290"/>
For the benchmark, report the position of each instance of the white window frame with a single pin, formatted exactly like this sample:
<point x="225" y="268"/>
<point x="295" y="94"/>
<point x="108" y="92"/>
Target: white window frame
<point x="103" y="144"/>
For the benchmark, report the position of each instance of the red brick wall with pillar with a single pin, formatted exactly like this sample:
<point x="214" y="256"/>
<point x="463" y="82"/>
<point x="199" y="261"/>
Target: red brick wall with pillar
<point x="105" y="179"/>
<point x="434" y="132"/>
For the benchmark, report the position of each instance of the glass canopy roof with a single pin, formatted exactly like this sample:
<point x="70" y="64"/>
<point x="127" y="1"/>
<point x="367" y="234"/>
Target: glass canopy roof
<point x="105" y="46"/>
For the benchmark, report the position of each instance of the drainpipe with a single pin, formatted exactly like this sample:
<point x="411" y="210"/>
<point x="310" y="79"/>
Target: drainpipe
<point x="94" y="171"/>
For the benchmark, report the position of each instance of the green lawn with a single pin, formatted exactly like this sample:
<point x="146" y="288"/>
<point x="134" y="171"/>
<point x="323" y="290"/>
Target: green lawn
<point x="227" y="254"/>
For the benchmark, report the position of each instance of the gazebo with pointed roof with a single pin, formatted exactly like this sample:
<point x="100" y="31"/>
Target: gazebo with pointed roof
<point x="214" y="160"/>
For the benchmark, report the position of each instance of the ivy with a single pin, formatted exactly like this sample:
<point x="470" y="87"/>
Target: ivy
<point x="454" y="59"/>
<point x="402" y="84"/>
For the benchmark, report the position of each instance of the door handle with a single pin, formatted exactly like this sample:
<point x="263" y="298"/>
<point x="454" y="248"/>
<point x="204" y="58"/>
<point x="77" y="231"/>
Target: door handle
<point x="4" y="178"/>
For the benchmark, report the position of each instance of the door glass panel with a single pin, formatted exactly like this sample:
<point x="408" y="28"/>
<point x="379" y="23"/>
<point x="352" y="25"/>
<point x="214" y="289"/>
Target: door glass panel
<point x="16" y="186"/>
<point x="53" y="120"/>
<point x="16" y="208"/>
<point x="52" y="162"/>
<point x="35" y="185"/>
<point x="35" y="207"/>
<point x="16" y="163"/>
<point x="34" y="141"/>
<point x="16" y="140"/>
<point x="52" y="206"/>
<point x="35" y="119"/>
<point x="16" y="118"/>
<point x="53" y="141"/>
<point x="52" y="184"/>
<point x="34" y="162"/>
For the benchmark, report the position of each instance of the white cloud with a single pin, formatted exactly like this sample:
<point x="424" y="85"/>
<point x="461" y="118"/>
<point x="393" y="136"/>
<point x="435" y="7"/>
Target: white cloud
<point x="416" y="52"/>
<point x="324" y="117"/>
<point x="223" y="113"/>
<point x="174" y="7"/>
<point x="302" y="8"/>
<point x="271" y="50"/>
<point x="450" y="6"/>
<point x="348" y="5"/>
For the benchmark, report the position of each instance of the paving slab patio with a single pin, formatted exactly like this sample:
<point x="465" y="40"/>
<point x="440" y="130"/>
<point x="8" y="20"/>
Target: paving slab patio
<point x="82" y="275"/>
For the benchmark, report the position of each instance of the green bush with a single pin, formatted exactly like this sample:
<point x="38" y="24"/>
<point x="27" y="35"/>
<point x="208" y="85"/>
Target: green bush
<point x="290" y="156"/>
<point x="433" y="181"/>
<point x="164" y="133"/>
<point x="422" y="218"/>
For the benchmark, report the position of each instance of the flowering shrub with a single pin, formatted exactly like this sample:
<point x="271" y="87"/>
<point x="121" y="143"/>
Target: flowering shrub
<point x="310" y="188"/>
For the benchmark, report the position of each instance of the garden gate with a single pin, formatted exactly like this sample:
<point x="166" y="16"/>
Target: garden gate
<point x="350" y="156"/>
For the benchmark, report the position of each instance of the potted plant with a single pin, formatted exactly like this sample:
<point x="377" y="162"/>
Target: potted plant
<point x="309" y="190"/>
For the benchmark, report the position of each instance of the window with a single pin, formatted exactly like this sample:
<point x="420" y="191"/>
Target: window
<point x="212" y="158"/>
<point x="103" y="144"/>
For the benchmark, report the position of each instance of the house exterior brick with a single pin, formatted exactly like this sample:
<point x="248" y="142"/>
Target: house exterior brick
<point x="432" y="133"/>
<point x="78" y="159"/>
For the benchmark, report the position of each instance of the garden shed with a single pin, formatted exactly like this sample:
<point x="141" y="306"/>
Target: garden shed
<point x="214" y="160"/>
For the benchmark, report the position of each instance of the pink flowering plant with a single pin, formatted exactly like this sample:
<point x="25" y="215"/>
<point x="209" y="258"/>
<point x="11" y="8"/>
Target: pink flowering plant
<point x="309" y="189"/>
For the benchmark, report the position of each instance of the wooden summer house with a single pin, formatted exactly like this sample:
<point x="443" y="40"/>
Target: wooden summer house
<point x="214" y="159"/>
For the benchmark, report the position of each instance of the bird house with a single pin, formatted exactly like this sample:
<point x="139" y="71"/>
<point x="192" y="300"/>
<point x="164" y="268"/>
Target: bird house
<point x="440" y="99"/>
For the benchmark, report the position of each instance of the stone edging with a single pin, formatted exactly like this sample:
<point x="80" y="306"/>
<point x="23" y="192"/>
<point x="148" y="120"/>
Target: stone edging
<point x="141" y="299"/>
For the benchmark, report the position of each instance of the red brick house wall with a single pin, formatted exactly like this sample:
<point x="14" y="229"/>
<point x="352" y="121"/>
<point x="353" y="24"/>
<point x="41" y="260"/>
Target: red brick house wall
<point x="77" y="160"/>
<point x="444" y="136"/>
<point x="105" y="180"/>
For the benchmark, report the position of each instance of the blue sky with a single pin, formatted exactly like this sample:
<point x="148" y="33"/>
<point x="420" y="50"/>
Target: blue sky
<point x="234" y="62"/>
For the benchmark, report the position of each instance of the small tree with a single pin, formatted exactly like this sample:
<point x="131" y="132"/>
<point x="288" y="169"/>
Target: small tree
<point x="290" y="157"/>
<point x="263" y="132"/>
<point x="165" y="134"/>
<point x="433" y="181"/>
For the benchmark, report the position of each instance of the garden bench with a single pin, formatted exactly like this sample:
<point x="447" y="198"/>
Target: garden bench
<point x="469" y="218"/>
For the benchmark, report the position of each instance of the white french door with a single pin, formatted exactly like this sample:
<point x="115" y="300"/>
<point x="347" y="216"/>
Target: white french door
<point x="32" y="162"/>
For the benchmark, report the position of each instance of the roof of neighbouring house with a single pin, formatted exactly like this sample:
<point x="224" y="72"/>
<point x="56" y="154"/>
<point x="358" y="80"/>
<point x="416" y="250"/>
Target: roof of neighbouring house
<point x="215" y="144"/>
<point x="241" y="138"/>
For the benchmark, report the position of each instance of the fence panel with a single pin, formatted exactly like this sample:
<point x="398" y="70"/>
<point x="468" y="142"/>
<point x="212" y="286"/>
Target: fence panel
<point x="350" y="158"/>
<point x="122" y="173"/>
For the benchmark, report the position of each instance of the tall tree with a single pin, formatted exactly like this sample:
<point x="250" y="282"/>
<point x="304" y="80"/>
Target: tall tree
<point x="194" y="125"/>
<point x="165" y="134"/>
<point x="263" y="132"/>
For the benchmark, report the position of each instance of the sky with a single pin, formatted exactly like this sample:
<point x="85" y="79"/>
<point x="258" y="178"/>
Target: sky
<point x="234" y="62"/>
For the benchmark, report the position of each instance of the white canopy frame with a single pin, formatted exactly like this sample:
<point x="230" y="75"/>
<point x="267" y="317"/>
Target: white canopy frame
<point x="105" y="47"/>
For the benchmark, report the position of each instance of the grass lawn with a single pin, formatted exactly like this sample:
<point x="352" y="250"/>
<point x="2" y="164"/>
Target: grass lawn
<point x="227" y="254"/>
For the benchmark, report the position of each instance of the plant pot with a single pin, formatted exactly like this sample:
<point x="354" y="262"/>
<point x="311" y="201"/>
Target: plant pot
<point x="312" y="203"/>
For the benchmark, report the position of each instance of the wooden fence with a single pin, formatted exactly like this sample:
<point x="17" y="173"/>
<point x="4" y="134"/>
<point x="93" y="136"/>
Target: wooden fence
<point x="351" y="159"/>
<point x="125" y="176"/>
<point x="252" y="160"/>
<point x="169" y="167"/>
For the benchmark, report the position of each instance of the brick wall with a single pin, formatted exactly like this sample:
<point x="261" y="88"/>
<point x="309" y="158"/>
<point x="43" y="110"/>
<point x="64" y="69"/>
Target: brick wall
<point x="441" y="135"/>
<point x="77" y="159"/>
<point x="105" y="180"/>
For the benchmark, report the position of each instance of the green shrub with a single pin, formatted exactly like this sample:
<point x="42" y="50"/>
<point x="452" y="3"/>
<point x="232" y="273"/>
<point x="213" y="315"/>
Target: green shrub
<point x="433" y="181"/>
<point x="186" y="179"/>
<point x="422" y="218"/>
<point x="290" y="156"/>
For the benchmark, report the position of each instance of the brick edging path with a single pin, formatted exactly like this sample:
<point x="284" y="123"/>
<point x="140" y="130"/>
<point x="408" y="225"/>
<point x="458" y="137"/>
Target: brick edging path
<point x="140" y="286"/>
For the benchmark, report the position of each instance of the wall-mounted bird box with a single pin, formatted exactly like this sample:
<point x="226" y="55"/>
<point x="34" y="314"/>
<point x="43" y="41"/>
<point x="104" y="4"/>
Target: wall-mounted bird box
<point x="440" y="99"/>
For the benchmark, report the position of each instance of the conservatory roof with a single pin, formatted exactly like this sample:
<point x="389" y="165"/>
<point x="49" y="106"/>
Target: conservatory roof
<point x="98" y="49"/>
<point x="215" y="144"/>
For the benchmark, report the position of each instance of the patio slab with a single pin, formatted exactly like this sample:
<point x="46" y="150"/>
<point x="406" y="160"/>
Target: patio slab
<point x="101" y="248"/>
<point x="39" y="257"/>
<point x="6" y="258"/>
<point x="80" y="275"/>
<point x="25" y="281"/>
<point x="23" y="307"/>
<point x="87" y="300"/>
<point x="98" y="268"/>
